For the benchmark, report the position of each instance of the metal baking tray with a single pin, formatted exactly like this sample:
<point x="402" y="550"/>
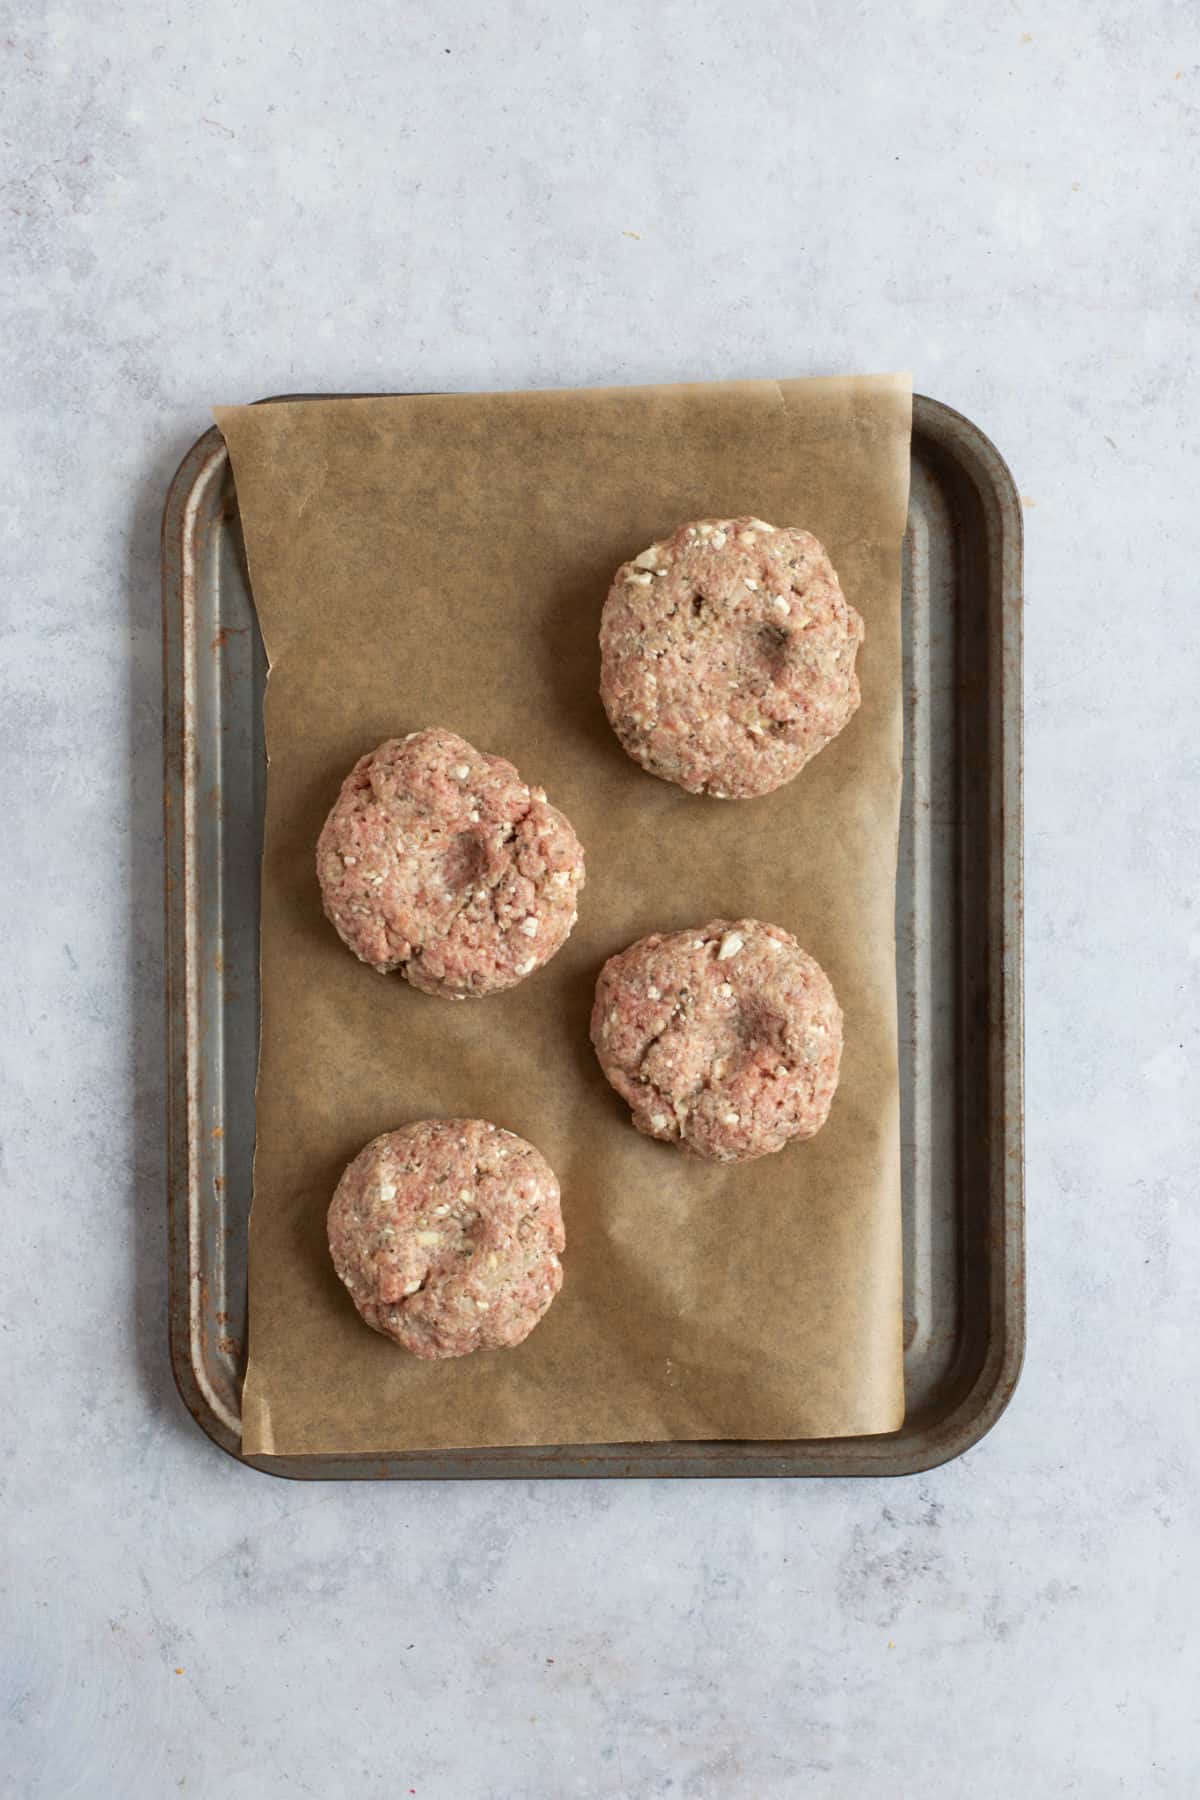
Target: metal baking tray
<point x="958" y="956"/>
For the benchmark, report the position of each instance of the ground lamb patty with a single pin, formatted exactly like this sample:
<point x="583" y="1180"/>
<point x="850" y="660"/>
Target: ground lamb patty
<point x="727" y="656"/>
<point x="440" y="862"/>
<point x="447" y="1234"/>
<point x="725" y="1039"/>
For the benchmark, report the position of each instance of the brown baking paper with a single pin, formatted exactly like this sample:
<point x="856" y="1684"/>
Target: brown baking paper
<point x="444" y="560"/>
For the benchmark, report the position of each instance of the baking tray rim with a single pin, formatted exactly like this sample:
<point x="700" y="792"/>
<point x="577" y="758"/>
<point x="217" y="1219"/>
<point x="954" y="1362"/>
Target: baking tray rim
<point x="974" y="1413"/>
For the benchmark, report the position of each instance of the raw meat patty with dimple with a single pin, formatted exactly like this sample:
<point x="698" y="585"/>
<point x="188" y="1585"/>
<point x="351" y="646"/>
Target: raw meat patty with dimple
<point x="725" y="1039"/>
<point x="437" y="860"/>
<point x="447" y="1235"/>
<point x="727" y="656"/>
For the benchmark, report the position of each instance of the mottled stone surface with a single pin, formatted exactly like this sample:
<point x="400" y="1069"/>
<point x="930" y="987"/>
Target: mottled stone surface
<point x="223" y="201"/>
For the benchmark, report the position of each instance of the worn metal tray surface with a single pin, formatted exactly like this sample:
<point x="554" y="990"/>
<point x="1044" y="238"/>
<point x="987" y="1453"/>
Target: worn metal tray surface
<point x="958" y="950"/>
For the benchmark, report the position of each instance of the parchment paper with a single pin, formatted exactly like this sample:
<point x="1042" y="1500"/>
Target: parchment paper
<point x="444" y="560"/>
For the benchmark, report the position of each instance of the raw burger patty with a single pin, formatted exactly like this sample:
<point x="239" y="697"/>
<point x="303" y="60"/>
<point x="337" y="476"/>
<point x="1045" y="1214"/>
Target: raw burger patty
<point x="725" y="1039"/>
<point x="727" y="656"/>
<point x="447" y="1235"/>
<point x="439" y="861"/>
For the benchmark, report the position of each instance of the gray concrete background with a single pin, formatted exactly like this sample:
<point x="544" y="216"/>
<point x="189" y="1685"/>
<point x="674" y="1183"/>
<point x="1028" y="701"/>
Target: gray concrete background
<point x="213" y="202"/>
